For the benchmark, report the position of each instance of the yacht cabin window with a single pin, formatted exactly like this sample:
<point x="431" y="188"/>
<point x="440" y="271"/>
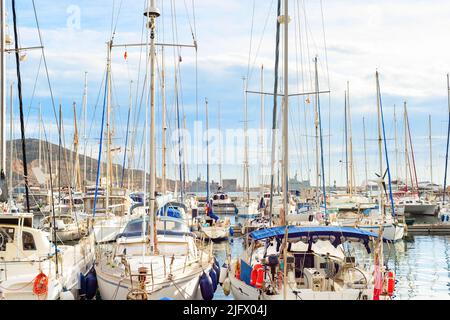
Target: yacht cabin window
<point x="28" y="241"/>
<point x="6" y="236"/>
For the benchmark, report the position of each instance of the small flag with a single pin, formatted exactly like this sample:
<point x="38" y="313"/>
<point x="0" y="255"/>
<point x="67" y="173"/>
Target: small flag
<point x="125" y="55"/>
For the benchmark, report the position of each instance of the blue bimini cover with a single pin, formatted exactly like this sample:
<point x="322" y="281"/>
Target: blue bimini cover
<point x="169" y="212"/>
<point x="336" y="235"/>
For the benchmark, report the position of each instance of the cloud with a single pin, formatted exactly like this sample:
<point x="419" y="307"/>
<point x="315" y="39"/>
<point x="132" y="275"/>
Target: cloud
<point x="405" y="40"/>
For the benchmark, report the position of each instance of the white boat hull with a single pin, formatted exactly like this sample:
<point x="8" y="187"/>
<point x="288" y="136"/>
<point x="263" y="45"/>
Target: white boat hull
<point x="243" y="291"/>
<point x="423" y="209"/>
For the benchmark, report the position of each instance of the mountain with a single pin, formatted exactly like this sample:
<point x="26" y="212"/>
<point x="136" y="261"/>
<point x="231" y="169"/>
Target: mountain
<point x="67" y="166"/>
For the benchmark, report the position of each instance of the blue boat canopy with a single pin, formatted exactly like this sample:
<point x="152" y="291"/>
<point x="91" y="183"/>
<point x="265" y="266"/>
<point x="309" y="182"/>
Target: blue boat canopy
<point x="336" y="235"/>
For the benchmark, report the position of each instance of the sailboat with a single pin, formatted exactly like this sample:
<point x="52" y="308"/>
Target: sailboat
<point x="411" y="202"/>
<point x="376" y="217"/>
<point x="299" y="263"/>
<point x="250" y="207"/>
<point x="210" y="225"/>
<point x="156" y="256"/>
<point x="444" y="214"/>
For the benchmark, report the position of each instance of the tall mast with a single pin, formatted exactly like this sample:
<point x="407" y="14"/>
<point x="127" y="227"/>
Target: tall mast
<point x="85" y="97"/>
<point x="380" y="139"/>
<point x="261" y="136"/>
<point x="346" y="144"/>
<point x="286" y="116"/>
<point x="405" y="123"/>
<point x="448" y="139"/>
<point x="108" y="127"/>
<point x="351" y="164"/>
<point x="11" y="144"/>
<point x="164" y="124"/>
<point x="220" y="147"/>
<point x="2" y="89"/>
<point x="285" y="143"/>
<point x="40" y="137"/>
<point x="275" y="110"/>
<point x="152" y="13"/>
<point x="319" y="121"/>
<point x="396" y="144"/>
<point x="316" y="124"/>
<point x="431" y="149"/>
<point x="246" y="174"/>
<point x="75" y="145"/>
<point x="22" y="118"/>
<point x="207" y="150"/>
<point x="365" y="154"/>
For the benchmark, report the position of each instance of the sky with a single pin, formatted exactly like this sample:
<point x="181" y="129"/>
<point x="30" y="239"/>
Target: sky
<point x="406" y="41"/>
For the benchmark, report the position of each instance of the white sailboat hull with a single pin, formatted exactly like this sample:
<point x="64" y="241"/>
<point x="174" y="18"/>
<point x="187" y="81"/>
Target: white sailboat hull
<point x="216" y="233"/>
<point x="113" y="288"/>
<point x="243" y="291"/>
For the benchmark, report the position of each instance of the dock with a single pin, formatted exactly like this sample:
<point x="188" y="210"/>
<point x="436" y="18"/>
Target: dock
<point x="437" y="228"/>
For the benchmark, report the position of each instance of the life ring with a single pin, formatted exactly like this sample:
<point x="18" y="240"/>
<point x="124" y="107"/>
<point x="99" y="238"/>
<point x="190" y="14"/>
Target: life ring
<point x="40" y="284"/>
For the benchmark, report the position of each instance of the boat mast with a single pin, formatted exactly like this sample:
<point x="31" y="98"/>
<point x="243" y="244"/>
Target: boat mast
<point x="319" y="118"/>
<point x="3" y="90"/>
<point x="246" y="174"/>
<point x="108" y="130"/>
<point x="285" y="144"/>
<point x="11" y="145"/>
<point x="152" y="13"/>
<point x="40" y="137"/>
<point x="220" y="147"/>
<point x="405" y="124"/>
<point x="396" y="143"/>
<point x="85" y="96"/>
<point x="351" y="165"/>
<point x="275" y="110"/>
<point x="365" y="155"/>
<point x="75" y="144"/>
<point x="207" y="150"/>
<point x="261" y="136"/>
<point x="22" y="119"/>
<point x="448" y="139"/>
<point x="164" y="124"/>
<point x="413" y="178"/>
<point x="431" y="149"/>
<point x="286" y="116"/>
<point x="380" y="139"/>
<point x="346" y="143"/>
